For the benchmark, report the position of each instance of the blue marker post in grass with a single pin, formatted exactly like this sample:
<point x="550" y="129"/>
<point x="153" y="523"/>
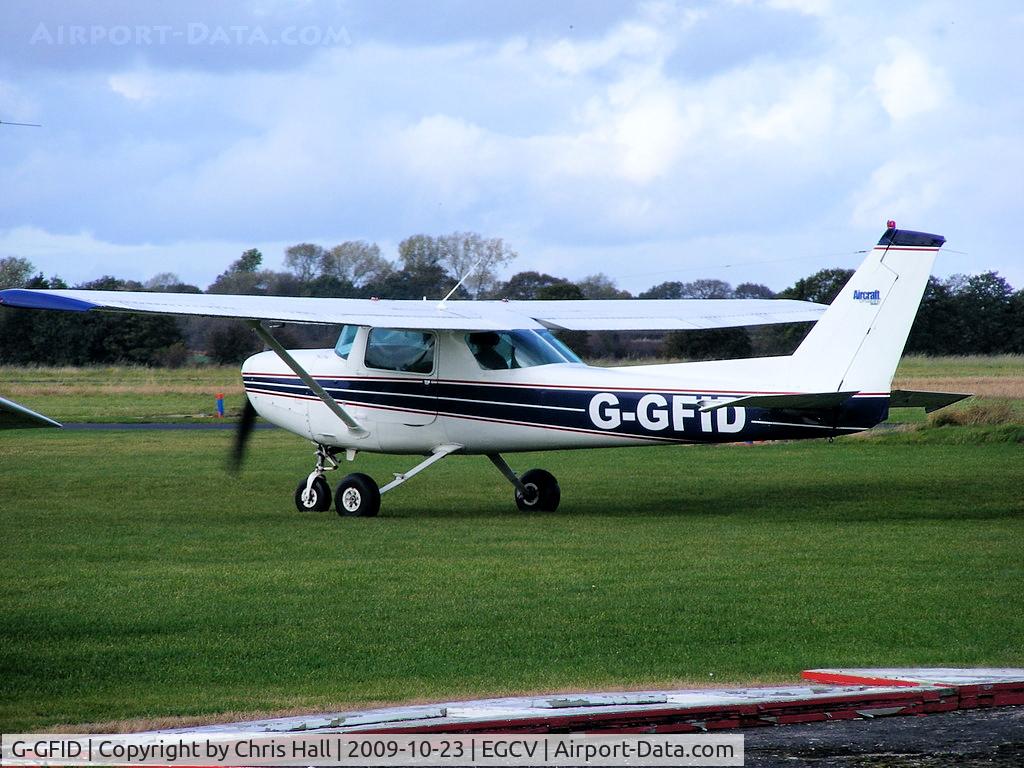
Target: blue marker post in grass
<point x="220" y="405"/>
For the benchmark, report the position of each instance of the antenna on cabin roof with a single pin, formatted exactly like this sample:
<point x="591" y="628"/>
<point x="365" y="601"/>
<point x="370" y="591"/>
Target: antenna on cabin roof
<point x="442" y="303"/>
<point x="24" y="125"/>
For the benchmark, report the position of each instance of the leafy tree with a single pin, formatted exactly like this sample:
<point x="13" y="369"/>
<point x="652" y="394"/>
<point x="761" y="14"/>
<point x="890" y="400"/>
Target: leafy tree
<point x="459" y="254"/>
<point x="671" y="289"/>
<point x="139" y="339"/>
<point x="525" y="286"/>
<point x="355" y="262"/>
<point x="244" y="283"/>
<point x="600" y="286"/>
<point x="697" y="289"/>
<point x="821" y="287"/>
<point x="329" y="286"/>
<point x="419" y="252"/>
<point x="58" y="338"/>
<point x="304" y="260"/>
<point x="249" y="261"/>
<point x="1016" y="344"/>
<point x="707" y="289"/>
<point x="168" y="282"/>
<point x="160" y="281"/>
<point x="712" y="344"/>
<point x="560" y="291"/>
<point x="427" y="281"/>
<point x="753" y="291"/>
<point x="473" y="257"/>
<point x="14" y="272"/>
<point x="230" y="342"/>
<point x="422" y="273"/>
<point x="243" y="276"/>
<point x="986" y="302"/>
<point x="936" y="328"/>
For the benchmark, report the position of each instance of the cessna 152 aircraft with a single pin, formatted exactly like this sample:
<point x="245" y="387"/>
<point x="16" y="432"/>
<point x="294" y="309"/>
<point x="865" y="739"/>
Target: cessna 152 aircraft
<point x="489" y="377"/>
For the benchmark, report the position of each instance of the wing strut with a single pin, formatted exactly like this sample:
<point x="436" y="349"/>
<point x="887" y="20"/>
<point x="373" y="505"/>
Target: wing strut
<point x="353" y="426"/>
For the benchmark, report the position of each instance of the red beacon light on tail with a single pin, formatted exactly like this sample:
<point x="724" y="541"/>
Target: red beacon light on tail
<point x="890" y="224"/>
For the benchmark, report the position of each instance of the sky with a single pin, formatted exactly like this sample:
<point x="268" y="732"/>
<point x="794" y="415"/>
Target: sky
<point x="745" y="140"/>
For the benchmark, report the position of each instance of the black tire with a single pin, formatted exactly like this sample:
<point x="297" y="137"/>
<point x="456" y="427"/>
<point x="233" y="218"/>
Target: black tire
<point x="546" y="493"/>
<point x="319" y="496"/>
<point x="357" y="495"/>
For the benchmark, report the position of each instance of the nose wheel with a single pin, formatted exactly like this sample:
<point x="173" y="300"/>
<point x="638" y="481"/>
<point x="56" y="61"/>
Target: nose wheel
<point x="313" y="494"/>
<point x="316" y="499"/>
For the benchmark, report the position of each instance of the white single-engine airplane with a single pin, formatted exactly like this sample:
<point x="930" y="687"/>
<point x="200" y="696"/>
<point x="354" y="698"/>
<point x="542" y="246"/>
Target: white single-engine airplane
<point x="489" y="377"/>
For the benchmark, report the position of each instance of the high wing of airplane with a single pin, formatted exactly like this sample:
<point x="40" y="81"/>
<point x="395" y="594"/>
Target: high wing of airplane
<point x="489" y="377"/>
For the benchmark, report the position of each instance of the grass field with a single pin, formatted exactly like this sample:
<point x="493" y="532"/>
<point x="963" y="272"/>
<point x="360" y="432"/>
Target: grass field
<point x="139" y="583"/>
<point x="106" y="394"/>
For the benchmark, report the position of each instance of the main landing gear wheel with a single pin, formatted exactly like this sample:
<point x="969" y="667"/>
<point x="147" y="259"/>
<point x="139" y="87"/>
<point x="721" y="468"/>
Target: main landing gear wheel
<point x="357" y="495"/>
<point x="543" y="493"/>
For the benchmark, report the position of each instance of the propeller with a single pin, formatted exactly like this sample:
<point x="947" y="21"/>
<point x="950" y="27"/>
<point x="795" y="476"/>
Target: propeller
<point x="245" y="425"/>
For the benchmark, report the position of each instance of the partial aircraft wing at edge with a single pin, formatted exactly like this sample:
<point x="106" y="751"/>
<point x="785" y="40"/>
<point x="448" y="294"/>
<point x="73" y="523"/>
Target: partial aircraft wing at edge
<point x="15" y="416"/>
<point x="592" y="315"/>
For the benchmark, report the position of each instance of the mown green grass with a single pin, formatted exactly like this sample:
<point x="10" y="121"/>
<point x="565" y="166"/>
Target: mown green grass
<point x="129" y="394"/>
<point x="140" y="581"/>
<point x="968" y="366"/>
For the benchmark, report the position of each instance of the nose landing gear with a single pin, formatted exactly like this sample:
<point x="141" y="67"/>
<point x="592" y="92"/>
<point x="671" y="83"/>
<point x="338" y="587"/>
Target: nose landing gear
<point x="314" y="494"/>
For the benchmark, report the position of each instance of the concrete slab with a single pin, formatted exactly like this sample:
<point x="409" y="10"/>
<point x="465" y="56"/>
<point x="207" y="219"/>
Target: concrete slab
<point x="829" y="695"/>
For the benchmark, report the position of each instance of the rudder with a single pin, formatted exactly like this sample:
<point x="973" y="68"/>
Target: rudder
<point x="858" y="342"/>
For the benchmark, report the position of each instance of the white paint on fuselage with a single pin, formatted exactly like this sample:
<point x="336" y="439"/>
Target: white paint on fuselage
<point x="672" y="400"/>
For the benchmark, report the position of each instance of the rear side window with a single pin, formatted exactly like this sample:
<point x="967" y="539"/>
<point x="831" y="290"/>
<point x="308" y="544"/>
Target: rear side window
<point x="345" y="341"/>
<point x="395" y="350"/>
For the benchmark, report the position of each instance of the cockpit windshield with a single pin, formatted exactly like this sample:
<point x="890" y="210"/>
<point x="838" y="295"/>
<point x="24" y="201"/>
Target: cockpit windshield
<point x="502" y="350"/>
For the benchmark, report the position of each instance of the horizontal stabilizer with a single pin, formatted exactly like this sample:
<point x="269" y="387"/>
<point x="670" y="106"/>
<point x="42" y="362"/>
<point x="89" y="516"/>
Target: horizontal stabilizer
<point x="930" y="401"/>
<point x="808" y="401"/>
<point x="14" y="416"/>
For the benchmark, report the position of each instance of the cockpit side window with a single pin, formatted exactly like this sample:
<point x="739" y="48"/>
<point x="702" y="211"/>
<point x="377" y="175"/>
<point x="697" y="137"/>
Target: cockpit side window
<point x="397" y="350"/>
<point x="345" y="341"/>
<point x="502" y="350"/>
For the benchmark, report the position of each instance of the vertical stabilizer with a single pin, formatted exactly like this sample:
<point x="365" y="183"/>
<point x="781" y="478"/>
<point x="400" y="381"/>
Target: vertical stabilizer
<point x="858" y="342"/>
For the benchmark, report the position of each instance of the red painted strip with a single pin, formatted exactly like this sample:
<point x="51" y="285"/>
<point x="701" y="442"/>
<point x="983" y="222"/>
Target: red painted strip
<point x="689" y="719"/>
<point x="837" y="678"/>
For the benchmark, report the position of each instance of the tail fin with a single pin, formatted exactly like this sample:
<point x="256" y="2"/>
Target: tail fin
<point x="858" y="342"/>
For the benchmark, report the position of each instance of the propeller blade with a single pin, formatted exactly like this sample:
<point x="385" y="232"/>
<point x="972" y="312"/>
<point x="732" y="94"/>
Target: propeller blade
<point x="245" y="425"/>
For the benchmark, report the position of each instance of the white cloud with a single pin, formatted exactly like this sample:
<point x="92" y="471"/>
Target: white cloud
<point x="908" y="84"/>
<point x="134" y="86"/>
<point x="808" y="7"/>
<point x="81" y="256"/>
<point x="615" y="142"/>
<point x="905" y="189"/>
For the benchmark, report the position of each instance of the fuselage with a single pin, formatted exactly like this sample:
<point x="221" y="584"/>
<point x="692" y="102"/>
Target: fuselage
<point x="451" y="399"/>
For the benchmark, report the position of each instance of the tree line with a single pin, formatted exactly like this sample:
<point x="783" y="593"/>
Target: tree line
<point x="963" y="314"/>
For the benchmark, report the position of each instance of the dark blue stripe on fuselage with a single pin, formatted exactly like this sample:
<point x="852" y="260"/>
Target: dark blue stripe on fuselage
<point x="655" y="415"/>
